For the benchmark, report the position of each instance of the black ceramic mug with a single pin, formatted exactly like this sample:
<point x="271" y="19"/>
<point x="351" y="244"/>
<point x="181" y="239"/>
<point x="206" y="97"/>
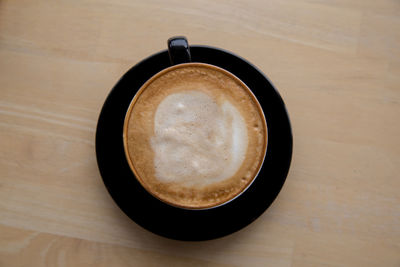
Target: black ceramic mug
<point x="176" y="222"/>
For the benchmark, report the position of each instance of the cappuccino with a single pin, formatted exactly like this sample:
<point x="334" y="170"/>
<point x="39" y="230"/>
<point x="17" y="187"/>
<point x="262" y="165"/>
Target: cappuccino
<point x="195" y="136"/>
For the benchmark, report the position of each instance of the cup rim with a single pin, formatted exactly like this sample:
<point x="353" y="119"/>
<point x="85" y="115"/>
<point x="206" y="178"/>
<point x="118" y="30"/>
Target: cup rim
<point x="137" y="96"/>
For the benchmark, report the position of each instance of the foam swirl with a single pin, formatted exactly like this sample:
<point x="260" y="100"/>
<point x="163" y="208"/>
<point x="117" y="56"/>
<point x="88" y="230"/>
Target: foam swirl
<point x="197" y="142"/>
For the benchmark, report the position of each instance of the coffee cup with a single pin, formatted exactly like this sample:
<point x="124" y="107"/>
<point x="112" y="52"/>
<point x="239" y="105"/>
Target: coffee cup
<point x="194" y="135"/>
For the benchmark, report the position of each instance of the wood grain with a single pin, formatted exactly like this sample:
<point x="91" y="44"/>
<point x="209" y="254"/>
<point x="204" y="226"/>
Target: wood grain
<point x="336" y="63"/>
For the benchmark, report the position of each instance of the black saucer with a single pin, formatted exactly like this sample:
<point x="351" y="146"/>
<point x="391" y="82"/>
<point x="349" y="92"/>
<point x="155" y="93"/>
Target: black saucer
<point x="183" y="224"/>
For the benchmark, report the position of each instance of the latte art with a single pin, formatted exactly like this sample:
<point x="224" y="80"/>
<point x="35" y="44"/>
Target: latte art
<point x="197" y="142"/>
<point x="195" y="136"/>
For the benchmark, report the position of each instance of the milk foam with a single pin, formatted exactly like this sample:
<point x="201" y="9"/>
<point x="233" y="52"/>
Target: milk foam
<point x="197" y="141"/>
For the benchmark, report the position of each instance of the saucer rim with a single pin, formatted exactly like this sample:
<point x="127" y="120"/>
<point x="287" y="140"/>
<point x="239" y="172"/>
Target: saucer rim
<point x="247" y="213"/>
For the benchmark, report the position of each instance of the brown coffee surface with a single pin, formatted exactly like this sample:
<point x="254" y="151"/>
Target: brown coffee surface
<point x="195" y="136"/>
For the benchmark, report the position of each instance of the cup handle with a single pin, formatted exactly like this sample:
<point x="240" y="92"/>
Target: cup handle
<point x="179" y="50"/>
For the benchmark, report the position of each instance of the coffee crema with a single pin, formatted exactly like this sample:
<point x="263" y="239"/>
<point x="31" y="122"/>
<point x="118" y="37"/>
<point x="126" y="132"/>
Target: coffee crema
<point x="195" y="136"/>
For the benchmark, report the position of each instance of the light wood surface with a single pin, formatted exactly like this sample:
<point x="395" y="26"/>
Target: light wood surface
<point x="336" y="64"/>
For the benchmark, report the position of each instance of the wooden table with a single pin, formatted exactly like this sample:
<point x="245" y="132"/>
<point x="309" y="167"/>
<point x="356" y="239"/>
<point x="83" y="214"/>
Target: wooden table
<point x="336" y="64"/>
